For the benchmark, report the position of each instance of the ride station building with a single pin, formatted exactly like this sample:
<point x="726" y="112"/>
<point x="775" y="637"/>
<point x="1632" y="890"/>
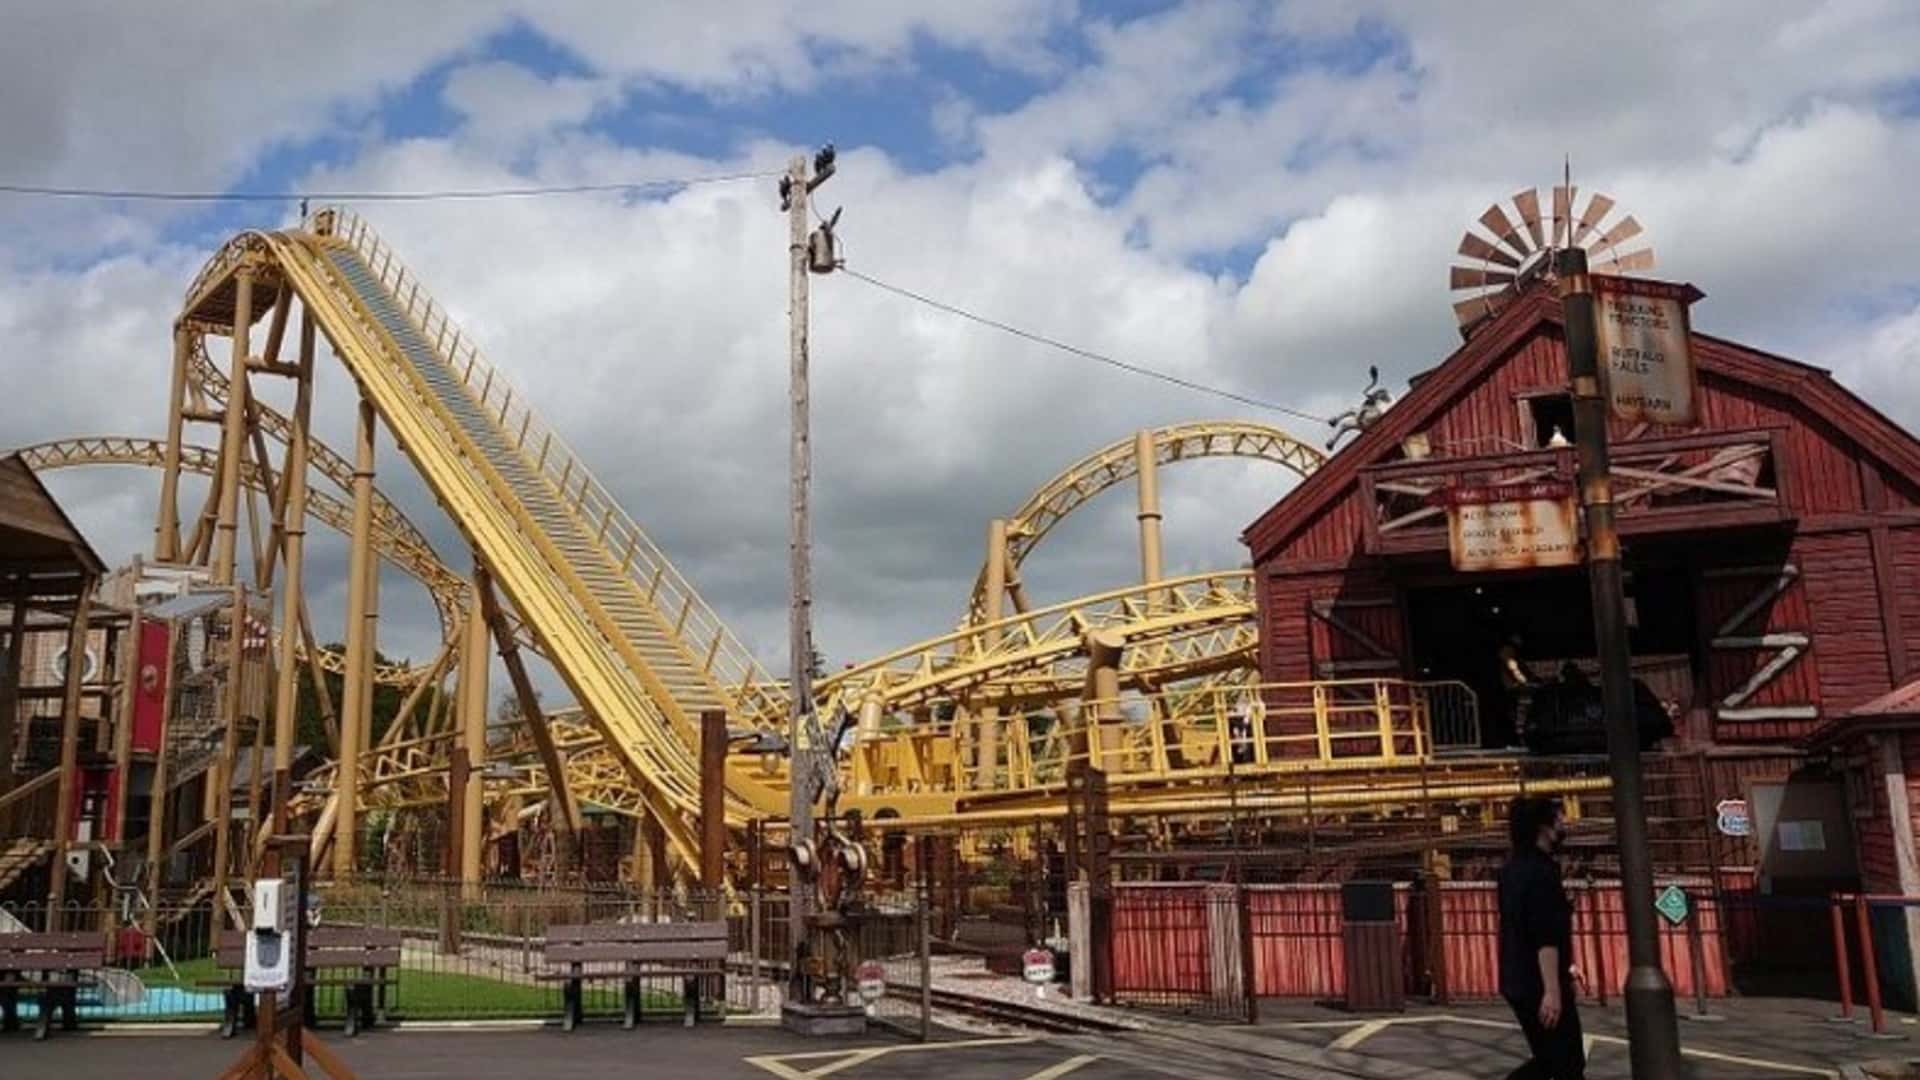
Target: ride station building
<point x="1772" y="553"/>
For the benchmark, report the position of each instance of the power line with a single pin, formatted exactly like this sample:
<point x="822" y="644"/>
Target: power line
<point x="449" y="194"/>
<point x="1085" y="354"/>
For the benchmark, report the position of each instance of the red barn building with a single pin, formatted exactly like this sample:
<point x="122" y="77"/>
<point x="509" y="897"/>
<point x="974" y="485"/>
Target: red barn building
<point x="1773" y="561"/>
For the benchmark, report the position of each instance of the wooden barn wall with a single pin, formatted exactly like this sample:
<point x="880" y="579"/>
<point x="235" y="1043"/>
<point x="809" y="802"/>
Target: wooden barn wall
<point x="1874" y="841"/>
<point x="1904" y="547"/>
<point x="1293" y="640"/>
<point x="1848" y="638"/>
<point x="1285" y="653"/>
<point x="1488" y="418"/>
<point x="1872" y="823"/>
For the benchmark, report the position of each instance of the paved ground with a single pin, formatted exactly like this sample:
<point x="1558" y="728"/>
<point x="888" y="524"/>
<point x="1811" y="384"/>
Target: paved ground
<point x="1755" y="1039"/>
<point x="1759" y="1039"/>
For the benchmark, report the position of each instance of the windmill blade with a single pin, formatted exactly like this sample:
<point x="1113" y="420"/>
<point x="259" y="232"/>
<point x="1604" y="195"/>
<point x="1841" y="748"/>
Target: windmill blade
<point x="1466" y="277"/>
<point x="1597" y="208"/>
<point x="1528" y="203"/>
<point x="1626" y="230"/>
<point x="1471" y="311"/>
<point x="1495" y="219"/>
<point x="1628" y="263"/>
<point x="1475" y="248"/>
<point x="1562" y="213"/>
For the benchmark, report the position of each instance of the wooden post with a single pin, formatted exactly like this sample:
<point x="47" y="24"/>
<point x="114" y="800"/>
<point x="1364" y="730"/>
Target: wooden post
<point x="713" y="800"/>
<point x="157" y="796"/>
<point x="802" y="755"/>
<point x="566" y="823"/>
<point x="69" y="749"/>
<point x="10" y="691"/>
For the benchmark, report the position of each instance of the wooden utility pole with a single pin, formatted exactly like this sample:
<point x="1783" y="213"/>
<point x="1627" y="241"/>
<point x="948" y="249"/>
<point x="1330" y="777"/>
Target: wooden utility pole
<point x="794" y="192"/>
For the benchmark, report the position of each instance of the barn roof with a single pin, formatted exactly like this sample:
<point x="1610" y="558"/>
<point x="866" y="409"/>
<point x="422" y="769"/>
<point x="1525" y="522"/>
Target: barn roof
<point x="1536" y="312"/>
<point x="38" y="538"/>
<point x="1896" y="710"/>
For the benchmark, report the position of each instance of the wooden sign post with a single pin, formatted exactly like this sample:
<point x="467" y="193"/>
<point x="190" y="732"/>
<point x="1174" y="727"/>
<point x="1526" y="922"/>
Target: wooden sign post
<point x="282" y="1043"/>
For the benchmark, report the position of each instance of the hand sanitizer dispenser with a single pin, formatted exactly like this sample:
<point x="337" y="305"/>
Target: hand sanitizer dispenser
<point x="270" y="941"/>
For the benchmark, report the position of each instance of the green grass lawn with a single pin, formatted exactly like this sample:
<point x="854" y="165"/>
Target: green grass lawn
<point x="435" y="995"/>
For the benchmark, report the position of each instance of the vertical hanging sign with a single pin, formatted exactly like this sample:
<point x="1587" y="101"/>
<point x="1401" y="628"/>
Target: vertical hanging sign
<point x="1646" y="359"/>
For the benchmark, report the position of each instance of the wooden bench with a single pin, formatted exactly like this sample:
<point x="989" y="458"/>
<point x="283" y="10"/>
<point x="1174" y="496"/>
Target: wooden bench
<point x="630" y="952"/>
<point x="48" y="965"/>
<point x="365" y="963"/>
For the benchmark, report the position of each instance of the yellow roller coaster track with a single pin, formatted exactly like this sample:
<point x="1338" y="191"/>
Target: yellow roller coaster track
<point x="1120" y="462"/>
<point x="394" y="537"/>
<point x="566" y="559"/>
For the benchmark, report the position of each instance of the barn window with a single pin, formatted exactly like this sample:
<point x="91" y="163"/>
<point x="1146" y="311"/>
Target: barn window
<point x="1551" y="413"/>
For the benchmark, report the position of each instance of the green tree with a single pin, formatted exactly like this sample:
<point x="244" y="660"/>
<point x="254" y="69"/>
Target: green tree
<point x="312" y="729"/>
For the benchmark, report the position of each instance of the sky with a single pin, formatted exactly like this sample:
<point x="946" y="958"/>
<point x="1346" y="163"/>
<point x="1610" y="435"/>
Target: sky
<point x="1254" y="196"/>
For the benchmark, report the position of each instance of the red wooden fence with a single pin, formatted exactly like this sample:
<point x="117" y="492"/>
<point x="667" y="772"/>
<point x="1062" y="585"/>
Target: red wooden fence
<point x="1162" y="939"/>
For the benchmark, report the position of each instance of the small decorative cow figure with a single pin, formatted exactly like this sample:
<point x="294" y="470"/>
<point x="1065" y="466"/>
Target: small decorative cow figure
<point x="1372" y="405"/>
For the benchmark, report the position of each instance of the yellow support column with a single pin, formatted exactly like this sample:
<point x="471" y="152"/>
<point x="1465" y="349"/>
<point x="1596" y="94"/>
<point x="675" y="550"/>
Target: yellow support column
<point x="1383" y="708"/>
<point x="1101" y="704"/>
<point x="357" y="694"/>
<point x="293" y="533"/>
<point x="166" y="533"/>
<point x="1149" y="515"/>
<point x="986" y="721"/>
<point x="473" y="734"/>
<point x="233" y="436"/>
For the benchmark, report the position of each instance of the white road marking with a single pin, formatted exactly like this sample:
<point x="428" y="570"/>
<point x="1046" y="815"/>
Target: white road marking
<point x="1359" y="1035"/>
<point x="1053" y="1072"/>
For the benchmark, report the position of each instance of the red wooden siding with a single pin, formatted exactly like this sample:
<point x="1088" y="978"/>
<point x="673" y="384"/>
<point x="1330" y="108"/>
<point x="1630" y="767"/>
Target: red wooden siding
<point x="1355" y="636"/>
<point x="1488" y="418"/>
<point x="1162" y="940"/>
<point x="1873" y="826"/>
<point x="1848" y="637"/>
<point x="1286" y="630"/>
<point x="1904" y="546"/>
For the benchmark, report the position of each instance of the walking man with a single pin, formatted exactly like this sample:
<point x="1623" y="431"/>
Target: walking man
<point x="1537" y="973"/>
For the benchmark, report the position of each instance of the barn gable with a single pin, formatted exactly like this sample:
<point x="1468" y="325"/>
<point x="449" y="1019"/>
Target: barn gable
<point x="1471" y="404"/>
<point x="1776" y="543"/>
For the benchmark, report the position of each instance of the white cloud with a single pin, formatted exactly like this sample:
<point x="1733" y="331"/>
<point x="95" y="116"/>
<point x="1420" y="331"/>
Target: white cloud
<point x="505" y="104"/>
<point x="652" y="333"/>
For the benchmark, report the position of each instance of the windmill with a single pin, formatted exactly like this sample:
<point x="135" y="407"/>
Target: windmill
<point x="1490" y="272"/>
